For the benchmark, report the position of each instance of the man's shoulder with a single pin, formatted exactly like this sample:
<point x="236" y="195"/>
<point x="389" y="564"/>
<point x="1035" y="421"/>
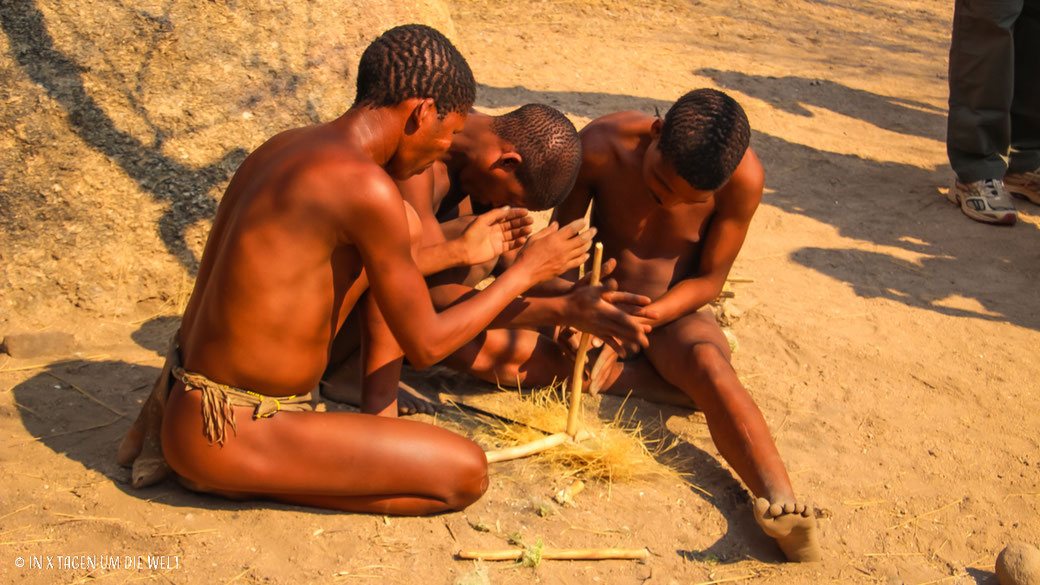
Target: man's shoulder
<point x="341" y="175"/>
<point x="603" y="139"/>
<point x="743" y="192"/>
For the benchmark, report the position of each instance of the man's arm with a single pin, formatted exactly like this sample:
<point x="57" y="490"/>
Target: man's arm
<point x="735" y="204"/>
<point x="601" y="310"/>
<point x="484" y="237"/>
<point x="373" y="220"/>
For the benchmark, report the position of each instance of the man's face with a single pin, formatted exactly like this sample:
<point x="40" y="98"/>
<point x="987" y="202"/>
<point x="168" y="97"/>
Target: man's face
<point x="425" y="142"/>
<point x="496" y="189"/>
<point x="665" y="185"/>
<point x="489" y="177"/>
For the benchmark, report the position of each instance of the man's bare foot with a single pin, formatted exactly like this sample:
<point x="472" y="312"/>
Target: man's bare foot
<point x="792" y="525"/>
<point x="409" y="400"/>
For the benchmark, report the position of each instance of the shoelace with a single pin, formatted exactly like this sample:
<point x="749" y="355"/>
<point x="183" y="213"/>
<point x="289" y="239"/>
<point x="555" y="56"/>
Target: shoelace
<point x="991" y="185"/>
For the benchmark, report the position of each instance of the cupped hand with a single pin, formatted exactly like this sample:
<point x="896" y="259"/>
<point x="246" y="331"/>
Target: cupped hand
<point x="495" y="232"/>
<point x="554" y="250"/>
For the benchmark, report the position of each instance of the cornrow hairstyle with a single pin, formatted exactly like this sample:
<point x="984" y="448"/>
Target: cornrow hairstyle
<point x="705" y="135"/>
<point x="412" y="61"/>
<point x="550" y="148"/>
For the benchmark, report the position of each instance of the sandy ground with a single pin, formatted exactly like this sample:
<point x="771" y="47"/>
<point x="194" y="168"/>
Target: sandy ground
<point x="890" y="341"/>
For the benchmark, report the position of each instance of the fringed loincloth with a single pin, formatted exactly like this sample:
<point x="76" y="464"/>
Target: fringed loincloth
<point x="141" y="449"/>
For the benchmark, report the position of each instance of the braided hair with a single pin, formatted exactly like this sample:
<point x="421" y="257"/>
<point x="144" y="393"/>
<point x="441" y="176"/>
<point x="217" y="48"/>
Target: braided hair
<point x="412" y="61"/>
<point x="705" y="135"/>
<point x="549" y="148"/>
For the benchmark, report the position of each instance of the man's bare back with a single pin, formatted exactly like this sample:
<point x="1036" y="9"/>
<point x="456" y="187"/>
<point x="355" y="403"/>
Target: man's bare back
<point x="676" y="242"/>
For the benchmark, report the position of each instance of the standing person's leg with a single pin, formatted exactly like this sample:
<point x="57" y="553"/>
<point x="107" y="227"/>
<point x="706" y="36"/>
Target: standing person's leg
<point x="344" y="461"/>
<point x="692" y="354"/>
<point x="981" y="87"/>
<point x="981" y="80"/>
<point x="1023" y="178"/>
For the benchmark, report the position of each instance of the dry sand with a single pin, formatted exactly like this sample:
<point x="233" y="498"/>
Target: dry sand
<point x="891" y="342"/>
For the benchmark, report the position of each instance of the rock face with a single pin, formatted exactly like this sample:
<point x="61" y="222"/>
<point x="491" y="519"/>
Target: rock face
<point x="123" y="123"/>
<point x="1018" y="564"/>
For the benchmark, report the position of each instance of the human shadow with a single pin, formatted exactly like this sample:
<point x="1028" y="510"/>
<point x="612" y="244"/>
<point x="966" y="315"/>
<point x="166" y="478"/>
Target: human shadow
<point x="702" y="471"/>
<point x="80" y="409"/>
<point x="938" y="257"/>
<point x="792" y="94"/>
<point x="184" y="189"/>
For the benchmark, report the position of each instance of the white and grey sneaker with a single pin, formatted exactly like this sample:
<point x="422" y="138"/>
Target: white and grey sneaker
<point x="1024" y="185"/>
<point x="986" y="201"/>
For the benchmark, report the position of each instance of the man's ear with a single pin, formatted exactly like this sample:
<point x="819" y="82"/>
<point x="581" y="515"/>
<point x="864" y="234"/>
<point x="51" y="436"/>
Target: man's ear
<point x="655" y="128"/>
<point x="422" y="113"/>
<point x="509" y="161"/>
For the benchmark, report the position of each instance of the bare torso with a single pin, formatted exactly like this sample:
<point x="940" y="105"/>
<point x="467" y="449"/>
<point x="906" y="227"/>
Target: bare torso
<point x="276" y="281"/>
<point x="655" y="246"/>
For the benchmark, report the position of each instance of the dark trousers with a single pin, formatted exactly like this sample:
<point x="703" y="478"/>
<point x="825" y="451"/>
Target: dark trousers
<point x="994" y="121"/>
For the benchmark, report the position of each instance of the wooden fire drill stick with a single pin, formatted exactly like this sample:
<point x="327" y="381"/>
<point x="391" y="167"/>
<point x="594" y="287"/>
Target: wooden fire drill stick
<point x="579" y="361"/>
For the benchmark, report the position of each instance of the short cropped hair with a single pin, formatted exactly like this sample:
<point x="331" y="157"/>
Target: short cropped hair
<point x="550" y="148"/>
<point x="415" y="61"/>
<point x="705" y="135"/>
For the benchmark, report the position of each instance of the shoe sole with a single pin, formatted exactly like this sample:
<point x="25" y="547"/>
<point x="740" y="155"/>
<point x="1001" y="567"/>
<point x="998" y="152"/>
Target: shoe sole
<point x="1021" y="194"/>
<point x="1008" y="218"/>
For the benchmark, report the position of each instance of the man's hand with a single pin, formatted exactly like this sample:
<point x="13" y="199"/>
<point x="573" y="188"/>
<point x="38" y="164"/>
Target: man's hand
<point x="554" y="250"/>
<point x="620" y="318"/>
<point x="493" y="233"/>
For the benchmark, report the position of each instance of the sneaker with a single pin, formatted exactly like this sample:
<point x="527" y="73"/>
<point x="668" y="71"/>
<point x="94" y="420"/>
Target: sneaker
<point x="986" y="201"/>
<point x="1024" y="185"/>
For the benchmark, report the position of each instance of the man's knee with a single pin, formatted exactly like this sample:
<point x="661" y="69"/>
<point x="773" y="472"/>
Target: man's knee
<point x="471" y="477"/>
<point x="708" y="361"/>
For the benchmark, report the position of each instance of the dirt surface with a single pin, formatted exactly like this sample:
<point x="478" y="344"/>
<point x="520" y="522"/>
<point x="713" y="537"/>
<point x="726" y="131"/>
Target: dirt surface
<point x="890" y="341"/>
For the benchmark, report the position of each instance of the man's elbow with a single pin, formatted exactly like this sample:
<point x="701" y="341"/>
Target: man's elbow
<point x="423" y="356"/>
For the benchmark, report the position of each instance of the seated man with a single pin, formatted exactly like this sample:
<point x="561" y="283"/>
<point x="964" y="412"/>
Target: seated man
<point x="528" y="158"/>
<point x="673" y="199"/>
<point x="301" y="218"/>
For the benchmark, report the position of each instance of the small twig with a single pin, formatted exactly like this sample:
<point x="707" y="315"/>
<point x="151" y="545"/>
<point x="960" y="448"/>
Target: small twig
<point x="238" y="576"/>
<point x="919" y="516"/>
<point x="451" y="532"/>
<point x="15" y="529"/>
<point x="728" y="579"/>
<point x="25" y="507"/>
<point x="78" y="518"/>
<point x="577" y="554"/>
<point x="85" y="393"/>
<point x="27" y="409"/>
<point x="780" y="428"/>
<point x="944" y="543"/>
<point x="63" y="433"/>
<point x="188" y="533"/>
<point x="35" y="540"/>
<point x="1022" y="495"/>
